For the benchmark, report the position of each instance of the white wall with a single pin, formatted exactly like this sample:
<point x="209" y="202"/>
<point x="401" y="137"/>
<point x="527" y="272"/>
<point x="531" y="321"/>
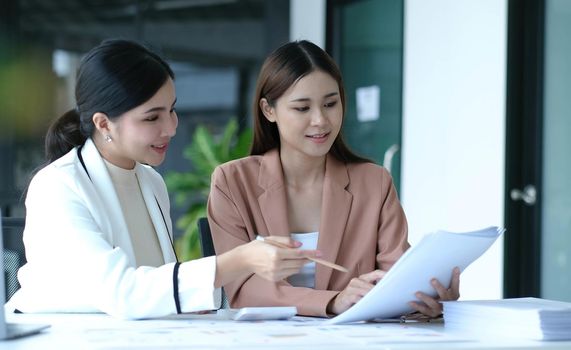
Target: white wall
<point x="453" y="126"/>
<point x="307" y="21"/>
<point x="453" y="120"/>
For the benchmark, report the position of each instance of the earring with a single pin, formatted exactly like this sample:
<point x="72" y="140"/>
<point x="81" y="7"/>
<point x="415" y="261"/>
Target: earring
<point x="108" y="138"/>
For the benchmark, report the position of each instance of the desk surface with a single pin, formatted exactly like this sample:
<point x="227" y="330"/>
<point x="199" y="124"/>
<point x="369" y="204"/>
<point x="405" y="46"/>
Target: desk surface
<point x="98" y="331"/>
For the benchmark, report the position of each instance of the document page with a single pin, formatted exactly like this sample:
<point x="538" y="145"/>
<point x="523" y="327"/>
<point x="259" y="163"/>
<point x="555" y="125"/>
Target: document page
<point x="522" y="318"/>
<point x="435" y="256"/>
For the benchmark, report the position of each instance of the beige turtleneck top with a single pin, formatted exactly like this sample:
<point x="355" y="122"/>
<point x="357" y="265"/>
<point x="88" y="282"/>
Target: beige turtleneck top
<point x="141" y="229"/>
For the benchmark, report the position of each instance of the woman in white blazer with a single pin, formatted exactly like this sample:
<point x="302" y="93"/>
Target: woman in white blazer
<point x="98" y="233"/>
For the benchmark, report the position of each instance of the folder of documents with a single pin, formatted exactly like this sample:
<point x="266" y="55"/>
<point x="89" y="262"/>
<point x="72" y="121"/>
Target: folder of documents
<point x="435" y="256"/>
<point x="527" y="318"/>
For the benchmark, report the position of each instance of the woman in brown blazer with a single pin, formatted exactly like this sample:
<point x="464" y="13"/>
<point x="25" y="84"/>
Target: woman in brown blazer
<point x="302" y="180"/>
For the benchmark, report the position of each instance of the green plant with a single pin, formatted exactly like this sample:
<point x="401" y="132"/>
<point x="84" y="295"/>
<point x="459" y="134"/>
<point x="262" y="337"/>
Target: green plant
<point x="205" y="152"/>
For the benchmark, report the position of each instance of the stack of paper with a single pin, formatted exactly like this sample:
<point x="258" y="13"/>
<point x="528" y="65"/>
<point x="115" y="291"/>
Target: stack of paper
<point x="433" y="257"/>
<point x="529" y="318"/>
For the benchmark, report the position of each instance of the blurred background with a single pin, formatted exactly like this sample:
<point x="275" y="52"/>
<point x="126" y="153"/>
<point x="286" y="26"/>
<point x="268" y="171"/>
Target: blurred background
<point x="465" y="101"/>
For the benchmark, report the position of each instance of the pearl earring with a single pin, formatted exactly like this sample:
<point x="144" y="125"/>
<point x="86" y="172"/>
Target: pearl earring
<point x="108" y="138"/>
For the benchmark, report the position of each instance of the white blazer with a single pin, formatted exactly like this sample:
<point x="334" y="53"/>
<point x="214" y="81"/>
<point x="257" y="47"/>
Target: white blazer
<point x="79" y="252"/>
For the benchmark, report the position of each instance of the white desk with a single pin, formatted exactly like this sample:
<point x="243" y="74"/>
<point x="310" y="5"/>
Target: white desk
<point x="97" y="331"/>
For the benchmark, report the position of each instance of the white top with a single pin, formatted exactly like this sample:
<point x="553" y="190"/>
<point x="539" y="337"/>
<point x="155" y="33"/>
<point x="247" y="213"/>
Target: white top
<point x="143" y="235"/>
<point x="80" y="255"/>
<point x="306" y="277"/>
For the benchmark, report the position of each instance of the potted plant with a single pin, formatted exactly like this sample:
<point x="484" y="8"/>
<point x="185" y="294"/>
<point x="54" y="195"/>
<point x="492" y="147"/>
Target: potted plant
<point x="205" y="152"/>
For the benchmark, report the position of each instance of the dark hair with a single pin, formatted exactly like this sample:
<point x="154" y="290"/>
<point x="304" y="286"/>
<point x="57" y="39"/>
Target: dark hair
<point x="113" y="78"/>
<point x="283" y="67"/>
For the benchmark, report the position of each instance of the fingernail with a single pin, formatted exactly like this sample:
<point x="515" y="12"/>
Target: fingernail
<point x="417" y="294"/>
<point x="297" y="244"/>
<point x="433" y="281"/>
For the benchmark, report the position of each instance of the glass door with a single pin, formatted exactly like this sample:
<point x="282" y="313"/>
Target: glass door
<point x="366" y="39"/>
<point x="556" y="173"/>
<point x="538" y="169"/>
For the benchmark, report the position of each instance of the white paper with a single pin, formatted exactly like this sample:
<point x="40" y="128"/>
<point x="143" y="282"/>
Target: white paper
<point x="435" y="256"/>
<point x="253" y="335"/>
<point x="368" y="103"/>
<point x="527" y="318"/>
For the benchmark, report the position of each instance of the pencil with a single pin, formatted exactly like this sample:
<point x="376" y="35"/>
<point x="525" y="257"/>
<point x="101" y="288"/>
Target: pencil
<point x="317" y="260"/>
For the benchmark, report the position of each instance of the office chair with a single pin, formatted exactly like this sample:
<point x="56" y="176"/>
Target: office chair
<point x="207" y="249"/>
<point x="13" y="254"/>
<point x="205" y="238"/>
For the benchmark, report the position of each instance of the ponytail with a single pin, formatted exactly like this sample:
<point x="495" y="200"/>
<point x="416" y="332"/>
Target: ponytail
<point x="63" y="135"/>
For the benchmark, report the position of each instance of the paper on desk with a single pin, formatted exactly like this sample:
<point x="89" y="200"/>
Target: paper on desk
<point x="209" y="334"/>
<point x="433" y="257"/>
<point x="523" y="318"/>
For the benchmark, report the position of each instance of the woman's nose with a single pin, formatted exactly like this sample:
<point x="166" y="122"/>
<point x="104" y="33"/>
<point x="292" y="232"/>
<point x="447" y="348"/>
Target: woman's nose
<point x="170" y="125"/>
<point x="318" y="117"/>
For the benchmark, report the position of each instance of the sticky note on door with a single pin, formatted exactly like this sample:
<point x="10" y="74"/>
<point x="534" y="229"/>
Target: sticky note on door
<point x="368" y="103"/>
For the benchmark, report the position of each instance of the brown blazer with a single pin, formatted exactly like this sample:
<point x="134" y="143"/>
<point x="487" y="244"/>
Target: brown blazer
<point x="363" y="226"/>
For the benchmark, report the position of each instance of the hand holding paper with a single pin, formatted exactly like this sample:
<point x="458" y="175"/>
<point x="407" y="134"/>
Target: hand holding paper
<point x="433" y="257"/>
<point x="355" y="291"/>
<point x="432" y="307"/>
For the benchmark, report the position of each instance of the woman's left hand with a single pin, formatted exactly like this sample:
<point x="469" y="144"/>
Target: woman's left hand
<point x="432" y="307"/>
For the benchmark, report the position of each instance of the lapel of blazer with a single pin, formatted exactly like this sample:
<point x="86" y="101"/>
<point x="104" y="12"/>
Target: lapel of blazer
<point x="116" y="229"/>
<point x="158" y="215"/>
<point x="335" y="208"/>
<point x="273" y="201"/>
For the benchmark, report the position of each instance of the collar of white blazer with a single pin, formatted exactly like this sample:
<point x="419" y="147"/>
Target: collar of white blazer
<point x="105" y="197"/>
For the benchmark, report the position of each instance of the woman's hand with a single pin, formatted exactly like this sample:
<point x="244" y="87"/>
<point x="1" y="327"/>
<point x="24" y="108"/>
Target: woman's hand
<point x="355" y="291"/>
<point x="432" y="307"/>
<point x="264" y="258"/>
<point x="276" y="258"/>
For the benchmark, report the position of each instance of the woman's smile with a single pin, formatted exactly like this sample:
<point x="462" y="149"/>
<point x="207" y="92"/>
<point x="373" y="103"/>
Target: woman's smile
<point x="318" y="138"/>
<point x="161" y="149"/>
